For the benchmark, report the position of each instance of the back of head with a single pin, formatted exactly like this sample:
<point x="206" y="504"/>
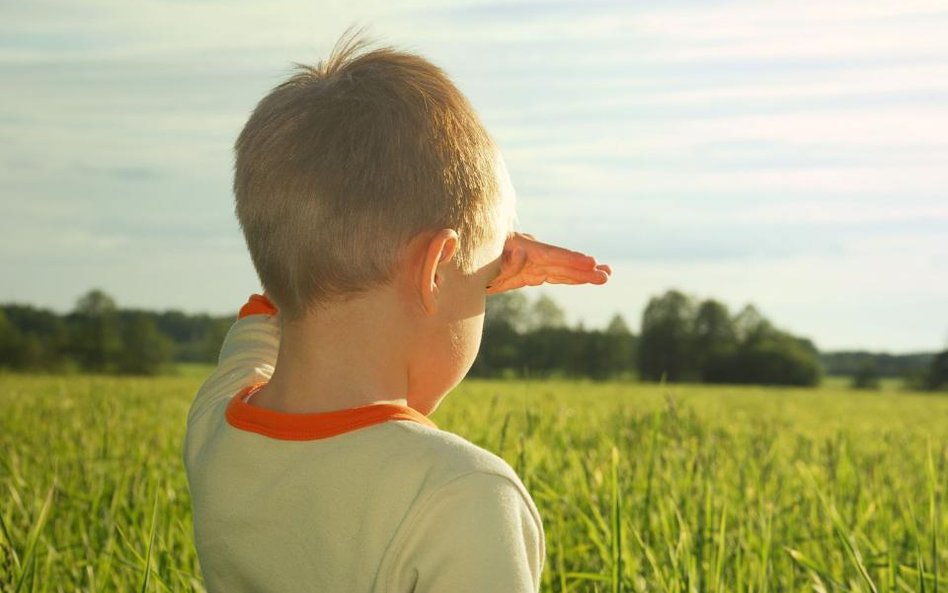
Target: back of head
<point x="342" y="164"/>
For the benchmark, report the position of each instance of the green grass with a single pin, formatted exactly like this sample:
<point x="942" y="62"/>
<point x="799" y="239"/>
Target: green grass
<point x="197" y="370"/>
<point x="641" y="487"/>
<point x="886" y="384"/>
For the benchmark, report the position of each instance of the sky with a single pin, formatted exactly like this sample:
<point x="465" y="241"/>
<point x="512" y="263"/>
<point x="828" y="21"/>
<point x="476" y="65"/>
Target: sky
<point x="793" y="155"/>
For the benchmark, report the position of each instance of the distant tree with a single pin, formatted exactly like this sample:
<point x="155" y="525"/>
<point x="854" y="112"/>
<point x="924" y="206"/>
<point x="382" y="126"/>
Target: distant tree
<point x="512" y="328"/>
<point x="500" y="350"/>
<point x="713" y="324"/>
<point x="690" y="343"/>
<point x="605" y="355"/>
<point x="867" y="377"/>
<point x="96" y="340"/>
<point x="38" y="339"/>
<point x="750" y="326"/>
<point x="95" y="303"/>
<point x="545" y="313"/>
<point x="848" y="362"/>
<point x="760" y="353"/>
<point x="32" y="353"/>
<point x="779" y="361"/>
<point x="505" y="318"/>
<point x="547" y="351"/>
<point x="180" y="326"/>
<point x="197" y="338"/>
<point x="665" y="340"/>
<point x="937" y="376"/>
<point x="11" y="344"/>
<point x="510" y="308"/>
<point x="145" y="350"/>
<point x="714" y="339"/>
<point x="618" y="326"/>
<point x="620" y="349"/>
<point x="213" y="339"/>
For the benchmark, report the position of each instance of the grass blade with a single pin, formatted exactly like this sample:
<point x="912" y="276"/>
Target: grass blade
<point x="616" y="525"/>
<point x="29" y="553"/>
<point x="933" y="517"/>
<point x="146" y="565"/>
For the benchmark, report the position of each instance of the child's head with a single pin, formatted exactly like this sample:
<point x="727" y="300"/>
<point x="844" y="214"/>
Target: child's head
<point x="340" y="166"/>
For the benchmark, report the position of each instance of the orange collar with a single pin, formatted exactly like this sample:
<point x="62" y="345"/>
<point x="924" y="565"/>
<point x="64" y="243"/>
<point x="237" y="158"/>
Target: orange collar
<point x="320" y="425"/>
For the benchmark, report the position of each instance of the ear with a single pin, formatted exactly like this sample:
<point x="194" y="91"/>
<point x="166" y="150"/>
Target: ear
<point x="440" y="248"/>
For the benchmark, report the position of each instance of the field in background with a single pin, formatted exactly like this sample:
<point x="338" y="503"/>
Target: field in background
<point x="641" y="487"/>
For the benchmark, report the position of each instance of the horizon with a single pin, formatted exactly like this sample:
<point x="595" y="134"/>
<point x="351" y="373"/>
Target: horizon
<point x="791" y="157"/>
<point x="633" y="327"/>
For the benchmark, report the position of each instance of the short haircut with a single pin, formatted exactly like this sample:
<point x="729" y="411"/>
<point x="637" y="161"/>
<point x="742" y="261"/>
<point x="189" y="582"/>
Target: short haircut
<point x="342" y="164"/>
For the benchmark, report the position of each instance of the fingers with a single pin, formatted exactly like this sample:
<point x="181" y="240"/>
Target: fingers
<point x="535" y="276"/>
<point x="565" y="275"/>
<point x="528" y="262"/>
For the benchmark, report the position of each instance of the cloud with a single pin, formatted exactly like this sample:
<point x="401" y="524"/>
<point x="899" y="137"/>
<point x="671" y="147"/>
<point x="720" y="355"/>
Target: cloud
<point x="677" y="233"/>
<point x="567" y="182"/>
<point x="687" y="31"/>
<point x="128" y="173"/>
<point x="787" y="153"/>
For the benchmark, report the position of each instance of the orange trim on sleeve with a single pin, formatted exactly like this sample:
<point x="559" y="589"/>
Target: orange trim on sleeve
<point x="258" y="304"/>
<point x="306" y="427"/>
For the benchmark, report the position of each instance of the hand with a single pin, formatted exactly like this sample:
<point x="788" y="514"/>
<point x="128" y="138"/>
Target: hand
<point x="528" y="262"/>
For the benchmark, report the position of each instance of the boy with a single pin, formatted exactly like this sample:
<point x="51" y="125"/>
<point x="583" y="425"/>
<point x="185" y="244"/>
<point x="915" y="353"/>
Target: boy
<point x="378" y="215"/>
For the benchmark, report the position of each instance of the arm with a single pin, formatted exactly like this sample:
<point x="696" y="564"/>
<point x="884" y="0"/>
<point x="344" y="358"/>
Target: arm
<point x="480" y="532"/>
<point x="248" y="354"/>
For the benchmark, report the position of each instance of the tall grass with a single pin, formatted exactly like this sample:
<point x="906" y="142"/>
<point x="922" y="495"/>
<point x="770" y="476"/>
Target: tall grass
<point x="641" y="487"/>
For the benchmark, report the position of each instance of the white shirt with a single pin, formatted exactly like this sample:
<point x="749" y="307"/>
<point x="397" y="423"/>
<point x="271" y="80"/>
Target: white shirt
<point x="371" y="499"/>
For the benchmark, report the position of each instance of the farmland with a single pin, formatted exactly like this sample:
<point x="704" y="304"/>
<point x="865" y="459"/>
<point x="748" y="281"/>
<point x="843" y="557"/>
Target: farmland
<point x="641" y="487"/>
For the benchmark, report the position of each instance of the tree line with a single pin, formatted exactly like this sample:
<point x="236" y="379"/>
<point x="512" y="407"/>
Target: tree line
<point x="681" y="339"/>
<point x="99" y="337"/>
<point x="687" y="340"/>
<point x="850" y="362"/>
<point x="523" y="339"/>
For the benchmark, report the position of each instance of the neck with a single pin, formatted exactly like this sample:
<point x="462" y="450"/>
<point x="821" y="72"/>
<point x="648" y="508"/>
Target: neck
<point x="347" y="355"/>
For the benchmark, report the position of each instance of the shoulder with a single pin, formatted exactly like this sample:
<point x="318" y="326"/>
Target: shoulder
<point x="457" y="470"/>
<point x="450" y="456"/>
<point x="473" y="513"/>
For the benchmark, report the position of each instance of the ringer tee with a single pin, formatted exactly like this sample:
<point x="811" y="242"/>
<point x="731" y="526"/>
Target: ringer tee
<point x="368" y="499"/>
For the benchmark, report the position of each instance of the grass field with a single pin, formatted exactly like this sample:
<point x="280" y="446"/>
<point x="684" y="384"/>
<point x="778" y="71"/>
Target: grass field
<point x="641" y="487"/>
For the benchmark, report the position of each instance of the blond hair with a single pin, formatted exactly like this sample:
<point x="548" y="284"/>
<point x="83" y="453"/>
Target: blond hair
<point x="342" y="164"/>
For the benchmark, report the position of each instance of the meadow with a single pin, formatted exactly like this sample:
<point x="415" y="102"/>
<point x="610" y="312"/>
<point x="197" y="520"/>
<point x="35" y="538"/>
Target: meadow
<point x="642" y="487"/>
